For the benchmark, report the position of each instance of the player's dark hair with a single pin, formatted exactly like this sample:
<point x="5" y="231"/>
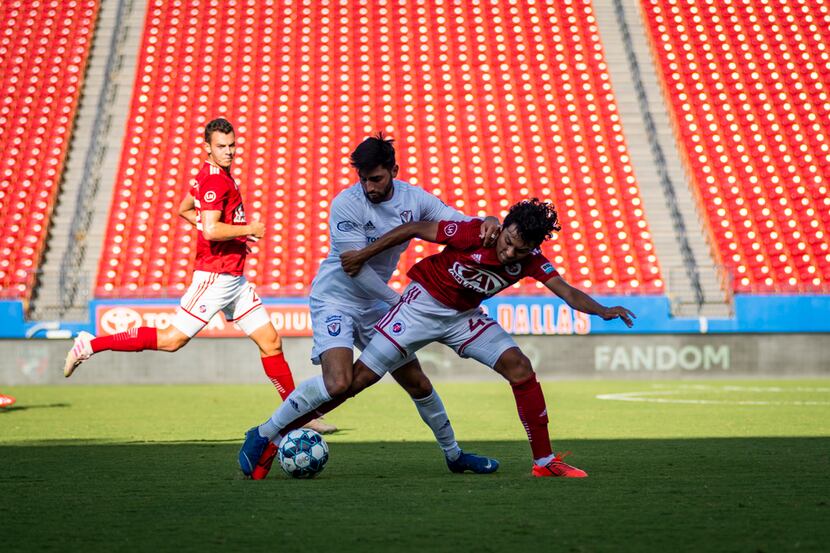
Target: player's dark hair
<point x="535" y="220"/>
<point x="375" y="150"/>
<point x="217" y="125"/>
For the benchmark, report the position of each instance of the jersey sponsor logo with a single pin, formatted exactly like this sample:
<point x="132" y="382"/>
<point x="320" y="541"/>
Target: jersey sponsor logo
<point x="478" y="279"/>
<point x="513" y="269"/>
<point x="547" y="268"/>
<point x="210" y="196"/>
<point x="451" y="229"/>
<point x="239" y="214"/>
<point x="369" y="226"/>
<point x="346" y="226"/>
<point x="397" y="328"/>
<point x="406" y="216"/>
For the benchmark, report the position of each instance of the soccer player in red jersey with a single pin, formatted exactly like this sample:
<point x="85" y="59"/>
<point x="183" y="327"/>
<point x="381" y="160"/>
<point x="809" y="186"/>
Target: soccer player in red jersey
<point x="442" y="304"/>
<point x="214" y="206"/>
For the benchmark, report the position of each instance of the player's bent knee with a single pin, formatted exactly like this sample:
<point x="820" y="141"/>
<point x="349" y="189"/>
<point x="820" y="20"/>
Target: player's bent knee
<point x="514" y="366"/>
<point x="337" y="384"/>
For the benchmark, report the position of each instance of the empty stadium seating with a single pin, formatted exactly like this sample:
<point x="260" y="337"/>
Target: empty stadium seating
<point x="747" y="83"/>
<point x="488" y="104"/>
<point x="43" y="52"/>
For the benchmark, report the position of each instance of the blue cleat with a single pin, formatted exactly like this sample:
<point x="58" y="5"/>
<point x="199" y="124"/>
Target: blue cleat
<point x="251" y="450"/>
<point x="473" y="463"/>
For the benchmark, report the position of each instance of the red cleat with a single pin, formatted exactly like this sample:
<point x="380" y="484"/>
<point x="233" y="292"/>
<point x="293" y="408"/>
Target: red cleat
<point x="558" y="467"/>
<point x="263" y="465"/>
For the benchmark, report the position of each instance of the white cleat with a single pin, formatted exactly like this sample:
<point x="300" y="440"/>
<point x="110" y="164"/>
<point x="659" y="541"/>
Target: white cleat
<point x="80" y="352"/>
<point x="320" y="426"/>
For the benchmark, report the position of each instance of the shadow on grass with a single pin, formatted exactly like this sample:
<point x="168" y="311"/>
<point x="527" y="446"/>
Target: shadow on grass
<point x="758" y="494"/>
<point x="14" y="408"/>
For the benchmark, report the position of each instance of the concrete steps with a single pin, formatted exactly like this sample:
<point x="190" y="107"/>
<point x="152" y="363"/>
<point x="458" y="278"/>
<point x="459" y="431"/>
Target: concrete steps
<point x="668" y="240"/>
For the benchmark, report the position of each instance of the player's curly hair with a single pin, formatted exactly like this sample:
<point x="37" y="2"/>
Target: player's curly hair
<point x="535" y="220"/>
<point x="375" y="150"/>
<point x="217" y="125"/>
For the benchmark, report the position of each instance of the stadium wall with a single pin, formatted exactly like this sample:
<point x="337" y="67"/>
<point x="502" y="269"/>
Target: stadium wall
<point x="769" y="336"/>
<point x="235" y="360"/>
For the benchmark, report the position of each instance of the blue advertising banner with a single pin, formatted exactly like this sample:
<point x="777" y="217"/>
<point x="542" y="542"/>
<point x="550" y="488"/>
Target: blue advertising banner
<point x="519" y="315"/>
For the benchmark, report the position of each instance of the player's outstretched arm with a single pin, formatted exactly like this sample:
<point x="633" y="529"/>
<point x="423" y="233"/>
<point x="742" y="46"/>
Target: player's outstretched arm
<point x="352" y="261"/>
<point x="581" y="301"/>
<point x="187" y="209"/>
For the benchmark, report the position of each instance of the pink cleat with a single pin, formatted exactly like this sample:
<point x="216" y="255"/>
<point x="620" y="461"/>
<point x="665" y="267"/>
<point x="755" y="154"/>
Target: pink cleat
<point x="80" y="352"/>
<point x="558" y="468"/>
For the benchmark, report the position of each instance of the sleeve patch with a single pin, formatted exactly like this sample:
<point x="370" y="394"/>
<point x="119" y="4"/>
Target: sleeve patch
<point x="547" y="268"/>
<point x="451" y="229"/>
<point x="210" y="196"/>
<point x="347" y="226"/>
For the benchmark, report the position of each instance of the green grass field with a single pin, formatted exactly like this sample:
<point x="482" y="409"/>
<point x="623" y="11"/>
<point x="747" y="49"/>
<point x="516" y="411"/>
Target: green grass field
<point x="703" y="466"/>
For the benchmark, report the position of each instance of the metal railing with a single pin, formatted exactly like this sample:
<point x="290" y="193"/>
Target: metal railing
<point x="689" y="262"/>
<point x="70" y="280"/>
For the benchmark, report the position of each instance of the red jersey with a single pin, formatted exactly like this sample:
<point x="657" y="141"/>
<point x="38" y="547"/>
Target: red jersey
<point x="465" y="273"/>
<point x="215" y="190"/>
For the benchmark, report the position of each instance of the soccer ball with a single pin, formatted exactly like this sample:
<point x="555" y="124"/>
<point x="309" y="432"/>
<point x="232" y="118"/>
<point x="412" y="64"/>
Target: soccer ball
<point x="303" y="453"/>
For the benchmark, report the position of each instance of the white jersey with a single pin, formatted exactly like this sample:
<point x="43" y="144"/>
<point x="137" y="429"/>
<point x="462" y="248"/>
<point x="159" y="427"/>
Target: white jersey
<point x="355" y="222"/>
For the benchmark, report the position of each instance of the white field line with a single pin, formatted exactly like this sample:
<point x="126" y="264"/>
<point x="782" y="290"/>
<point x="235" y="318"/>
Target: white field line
<point x="647" y="396"/>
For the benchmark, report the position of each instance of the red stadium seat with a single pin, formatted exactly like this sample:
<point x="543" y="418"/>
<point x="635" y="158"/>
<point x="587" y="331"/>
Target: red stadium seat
<point x="742" y="63"/>
<point x="44" y="51"/>
<point x="489" y="103"/>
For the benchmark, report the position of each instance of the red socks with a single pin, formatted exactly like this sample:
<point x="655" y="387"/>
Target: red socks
<point x="277" y="370"/>
<point x="534" y="415"/>
<point x="135" y="339"/>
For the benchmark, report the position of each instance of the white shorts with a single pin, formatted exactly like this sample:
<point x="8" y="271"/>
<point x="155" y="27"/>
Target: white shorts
<point x="344" y="326"/>
<point x="212" y="292"/>
<point x="419" y="319"/>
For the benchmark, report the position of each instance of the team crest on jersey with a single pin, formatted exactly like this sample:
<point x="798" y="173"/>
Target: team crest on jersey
<point x="397" y="328"/>
<point x="333" y="324"/>
<point x="202" y="309"/>
<point x="476" y="257"/>
<point x="478" y="279"/>
<point x="451" y="229"/>
<point x="406" y="216"/>
<point x="513" y="269"/>
<point x="210" y="196"/>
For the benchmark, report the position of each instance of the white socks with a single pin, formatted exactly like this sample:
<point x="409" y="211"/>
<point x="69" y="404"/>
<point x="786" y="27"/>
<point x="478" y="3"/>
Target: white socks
<point x="544" y="460"/>
<point x="432" y="411"/>
<point x="308" y="396"/>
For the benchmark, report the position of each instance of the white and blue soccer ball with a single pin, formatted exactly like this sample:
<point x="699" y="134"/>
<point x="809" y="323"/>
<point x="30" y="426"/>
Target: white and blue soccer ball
<point x="303" y="453"/>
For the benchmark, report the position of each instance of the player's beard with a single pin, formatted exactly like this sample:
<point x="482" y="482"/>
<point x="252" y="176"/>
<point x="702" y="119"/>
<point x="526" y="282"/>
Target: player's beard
<point x="379" y="198"/>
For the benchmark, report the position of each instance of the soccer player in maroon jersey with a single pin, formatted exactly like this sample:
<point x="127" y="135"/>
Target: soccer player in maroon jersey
<point x="442" y="304"/>
<point x="214" y="206"/>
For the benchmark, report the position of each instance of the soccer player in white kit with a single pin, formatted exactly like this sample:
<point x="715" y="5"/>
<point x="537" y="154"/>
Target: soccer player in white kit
<point x="214" y="206"/>
<point x="442" y="304"/>
<point x="345" y="308"/>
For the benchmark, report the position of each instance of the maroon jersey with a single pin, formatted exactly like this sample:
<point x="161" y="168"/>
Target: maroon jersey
<point x="465" y="273"/>
<point x="215" y="190"/>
